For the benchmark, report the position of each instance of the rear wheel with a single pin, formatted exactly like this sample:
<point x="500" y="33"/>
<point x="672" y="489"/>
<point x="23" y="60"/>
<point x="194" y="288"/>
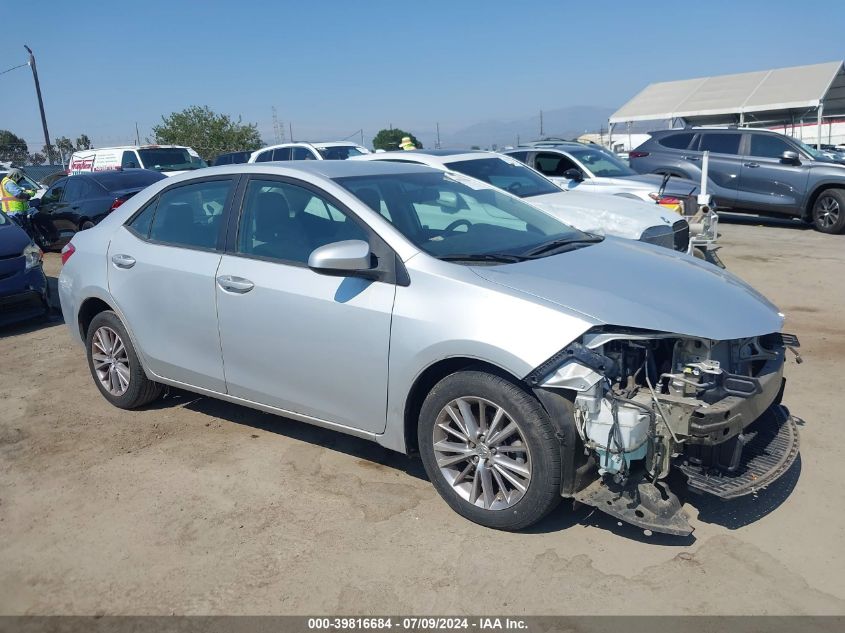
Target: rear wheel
<point x="115" y="366"/>
<point x="829" y="211"/>
<point x="88" y="224"/>
<point x="490" y="450"/>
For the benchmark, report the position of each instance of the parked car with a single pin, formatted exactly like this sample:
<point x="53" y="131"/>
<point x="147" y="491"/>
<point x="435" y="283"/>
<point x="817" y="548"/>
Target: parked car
<point x="752" y="171"/>
<point x="231" y="158"/>
<point x="170" y="160"/>
<point x="595" y="170"/>
<point x="524" y="360"/>
<point x="612" y="215"/>
<point x="308" y="151"/>
<point x="23" y="286"/>
<point x="76" y="203"/>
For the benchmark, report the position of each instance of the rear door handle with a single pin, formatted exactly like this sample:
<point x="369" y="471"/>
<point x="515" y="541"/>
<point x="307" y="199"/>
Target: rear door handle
<point x="691" y="158"/>
<point x="123" y="261"/>
<point x="752" y="165"/>
<point x="238" y="285"/>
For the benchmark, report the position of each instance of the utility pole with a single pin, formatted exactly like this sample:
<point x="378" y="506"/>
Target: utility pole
<point x="541" y="124"/>
<point x="137" y="136"/>
<point x="290" y="127"/>
<point x="438" y="136"/>
<point x="40" y="104"/>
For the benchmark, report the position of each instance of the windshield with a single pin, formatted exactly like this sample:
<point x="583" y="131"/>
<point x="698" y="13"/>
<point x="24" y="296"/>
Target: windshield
<point x="602" y="164"/>
<point x="339" y="152"/>
<point x="812" y="151"/>
<point x="4" y="219"/>
<point x="169" y="159"/>
<point x="513" y="177"/>
<point x="455" y="220"/>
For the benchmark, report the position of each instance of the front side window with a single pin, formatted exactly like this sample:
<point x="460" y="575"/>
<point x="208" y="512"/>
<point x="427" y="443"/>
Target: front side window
<point x="719" y="143"/>
<point x="766" y="146"/>
<point x="509" y="175"/>
<point x="520" y="156"/>
<point x="552" y="164"/>
<point x="191" y="215"/>
<point x="129" y="160"/>
<point x="264" y="157"/>
<point x="284" y="221"/>
<point x="54" y="194"/>
<point x="339" y="152"/>
<point x="281" y="153"/>
<point x="302" y="153"/>
<point x="452" y="217"/>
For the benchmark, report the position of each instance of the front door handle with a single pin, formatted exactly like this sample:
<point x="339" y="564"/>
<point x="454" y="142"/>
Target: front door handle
<point x="237" y="285"/>
<point x="123" y="261"/>
<point x="752" y="165"/>
<point x="691" y="157"/>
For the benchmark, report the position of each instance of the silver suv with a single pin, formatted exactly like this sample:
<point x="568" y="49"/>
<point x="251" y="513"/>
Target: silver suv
<point x="752" y="171"/>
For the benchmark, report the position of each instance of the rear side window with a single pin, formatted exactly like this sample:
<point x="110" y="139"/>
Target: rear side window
<point x="719" y="143"/>
<point x="129" y="160"/>
<point x="141" y="223"/>
<point x="281" y="153"/>
<point x="676" y="141"/>
<point x="767" y="146"/>
<point x="302" y="153"/>
<point x="521" y="156"/>
<point x="191" y="215"/>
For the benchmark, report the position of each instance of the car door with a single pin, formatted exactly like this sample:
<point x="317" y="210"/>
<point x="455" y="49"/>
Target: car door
<point x="162" y="264"/>
<point x="768" y="182"/>
<point x="51" y="206"/>
<point x="293" y="339"/>
<point x="725" y="163"/>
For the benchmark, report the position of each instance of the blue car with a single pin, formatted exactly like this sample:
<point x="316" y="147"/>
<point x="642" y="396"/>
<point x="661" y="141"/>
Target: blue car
<point x="23" y="286"/>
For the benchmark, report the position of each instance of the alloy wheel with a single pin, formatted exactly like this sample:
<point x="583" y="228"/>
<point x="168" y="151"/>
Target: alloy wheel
<point x="482" y="453"/>
<point x="827" y="211"/>
<point x="111" y="361"/>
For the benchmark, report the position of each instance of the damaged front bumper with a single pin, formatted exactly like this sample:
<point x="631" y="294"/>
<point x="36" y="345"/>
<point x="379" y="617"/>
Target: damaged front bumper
<point x="657" y="415"/>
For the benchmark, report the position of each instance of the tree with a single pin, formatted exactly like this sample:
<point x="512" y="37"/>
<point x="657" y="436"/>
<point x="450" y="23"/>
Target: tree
<point x="64" y="147"/>
<point x="207" y="132"/>
<point x="13" y="148"/>
<point x="389" y="140"/>
<point x="83" y="142"/>
<point x="37" y="159"/>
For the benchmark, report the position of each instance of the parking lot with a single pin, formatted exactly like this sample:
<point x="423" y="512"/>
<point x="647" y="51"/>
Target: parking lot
<point x="199" y="506"/>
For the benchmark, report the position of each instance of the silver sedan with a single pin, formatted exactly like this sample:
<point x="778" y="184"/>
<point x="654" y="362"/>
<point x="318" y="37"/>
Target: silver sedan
<point x="524" y="360"/>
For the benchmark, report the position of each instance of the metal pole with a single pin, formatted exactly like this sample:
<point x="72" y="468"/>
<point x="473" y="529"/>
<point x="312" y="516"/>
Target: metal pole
<point x="40" y="104"/>
<point x="819" y="112"/>
<point x="438" y="136"/>
<point x="290" y="127"/>
<point x="541" y="124"/>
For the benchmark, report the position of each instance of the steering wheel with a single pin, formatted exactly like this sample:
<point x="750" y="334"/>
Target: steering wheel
<point x="454" y="225"/>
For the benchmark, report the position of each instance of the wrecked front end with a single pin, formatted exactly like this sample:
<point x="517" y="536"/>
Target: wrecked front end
<point x="656" y="414"/>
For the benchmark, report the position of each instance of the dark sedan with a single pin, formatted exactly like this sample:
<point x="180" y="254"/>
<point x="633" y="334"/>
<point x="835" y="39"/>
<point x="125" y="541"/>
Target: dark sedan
<point x="78" y="202"/>
<point x="23" y="287"/>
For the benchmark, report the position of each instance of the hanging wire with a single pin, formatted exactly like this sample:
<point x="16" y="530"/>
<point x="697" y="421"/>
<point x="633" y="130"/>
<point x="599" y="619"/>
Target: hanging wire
<point x="8" y="70"/>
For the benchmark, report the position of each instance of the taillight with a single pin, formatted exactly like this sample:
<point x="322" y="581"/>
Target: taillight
<point x="668" y="200"/>
<point x="68" y="250"/>
<point x="634" y="154"/>
<point x="116" y="204"/>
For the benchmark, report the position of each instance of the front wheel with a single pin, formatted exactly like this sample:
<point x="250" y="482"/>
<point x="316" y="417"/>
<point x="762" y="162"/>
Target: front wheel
<point x="115" y="366"/>
<point x="490" y="450"/>
<point x="829" y="211"/>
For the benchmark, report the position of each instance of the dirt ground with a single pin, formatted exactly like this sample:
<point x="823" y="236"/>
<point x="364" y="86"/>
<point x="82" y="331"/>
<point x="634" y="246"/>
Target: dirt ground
<point x="196" y="506"/>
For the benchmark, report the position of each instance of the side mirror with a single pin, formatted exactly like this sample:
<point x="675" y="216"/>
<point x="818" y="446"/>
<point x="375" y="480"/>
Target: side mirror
<point x="790" y="157"/>
<point x="341" y="258"/>
<point x="573" y="174"/>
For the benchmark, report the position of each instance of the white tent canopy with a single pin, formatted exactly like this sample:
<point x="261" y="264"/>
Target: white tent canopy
<point x="773" y="95"/>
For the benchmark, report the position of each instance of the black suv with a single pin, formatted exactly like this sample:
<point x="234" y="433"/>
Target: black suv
<point x="753" y="171"/>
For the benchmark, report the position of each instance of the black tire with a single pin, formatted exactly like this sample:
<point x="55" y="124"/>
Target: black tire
<point x="88" y="224"/>
<point x="543" y="490"/>
<point x="140" y="390"/>
<point x="828" y="214"/>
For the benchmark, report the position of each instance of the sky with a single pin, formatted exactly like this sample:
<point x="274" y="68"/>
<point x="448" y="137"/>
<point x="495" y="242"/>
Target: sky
<point x="332" y="68"/>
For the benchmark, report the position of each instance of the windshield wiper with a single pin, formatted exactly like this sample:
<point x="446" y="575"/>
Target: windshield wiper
<point x="482" y="257"/>
<point x="560" y="244"/>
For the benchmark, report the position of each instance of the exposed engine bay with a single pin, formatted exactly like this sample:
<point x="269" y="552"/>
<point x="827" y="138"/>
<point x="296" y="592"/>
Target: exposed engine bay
<point x="655" y="412"/>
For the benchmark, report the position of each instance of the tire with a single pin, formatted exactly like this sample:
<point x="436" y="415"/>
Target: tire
<point x="709" y="255"/>
<point x="138" y="390"/>
<point x="533" y="448"/>
<point x="88" y="224"/>
<point x="828" y="214"/>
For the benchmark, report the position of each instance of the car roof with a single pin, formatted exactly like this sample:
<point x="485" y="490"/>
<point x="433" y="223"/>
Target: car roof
<point x="149" y="146"/>
<point x="309" y="143"/>
<point x="325" y="168"/>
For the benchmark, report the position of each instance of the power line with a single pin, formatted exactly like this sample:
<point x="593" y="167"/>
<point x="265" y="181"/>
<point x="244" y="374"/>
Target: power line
<point x="13" y="68"/>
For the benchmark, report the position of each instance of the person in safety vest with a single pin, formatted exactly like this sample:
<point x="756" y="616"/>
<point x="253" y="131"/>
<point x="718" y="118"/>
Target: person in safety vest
<point x="15" y="198"/>
<point x="407" y="143"/>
